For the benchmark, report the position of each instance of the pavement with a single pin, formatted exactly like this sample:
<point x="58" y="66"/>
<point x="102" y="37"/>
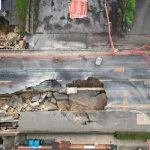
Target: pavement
<point x="107" y="121"/>
<point x="141" y="23"/>
<point x="53" y="18"/>
<point x="56" y="31"/>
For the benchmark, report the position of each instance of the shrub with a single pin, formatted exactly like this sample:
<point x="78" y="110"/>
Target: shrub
<point x="129" y="11"/>
<point x="132" y="135"/>
<point x="21" y="7"/>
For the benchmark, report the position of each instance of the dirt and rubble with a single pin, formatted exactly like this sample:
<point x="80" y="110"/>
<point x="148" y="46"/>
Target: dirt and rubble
<point x="90" y="82"/>
<point x="4" y="25"/>
<point x="12" y="40"/>
<point x="85" y="95"/>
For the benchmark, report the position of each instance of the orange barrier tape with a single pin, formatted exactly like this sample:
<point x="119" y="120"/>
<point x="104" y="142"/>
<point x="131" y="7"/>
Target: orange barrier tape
<point x="136" y="51"/>
<point x="109" y="28"/>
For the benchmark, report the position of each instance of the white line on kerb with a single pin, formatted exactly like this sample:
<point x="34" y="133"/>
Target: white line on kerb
<point x="108" y="80"/>
<point x="0" y="4"/>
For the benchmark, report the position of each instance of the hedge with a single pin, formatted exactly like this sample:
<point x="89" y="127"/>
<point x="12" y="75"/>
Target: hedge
<point x="132" y="135"/>
<point x="21" y="7"/>
<point x="129" y="11"/>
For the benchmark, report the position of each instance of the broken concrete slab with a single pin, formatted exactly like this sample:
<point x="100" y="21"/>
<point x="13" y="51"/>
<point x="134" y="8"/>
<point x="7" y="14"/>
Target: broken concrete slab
<point x="60" y="96"/>
<point x="42" y="97"/>
<point x="25" y="105"/>
<point x="48" y="106"/>
<point x="81" y="98"/>
<point x="53" y="100"/>
<point x="11" y="110"/>
<point x="88" y="100"/>
<point x="48" y="85"/>
<point x="36" y="98"/>
<point x="5" y="107"/>
<point x="18" y="109"/>
<point x="15" y="101"/>
<point x="26" y="95"/>
<point x="63" y="105"/>
<point x="6" y="119"/>
<point x="49" y="94"/>
<point x="35" y="104"/>
<point x="39" y="97"/>
<point x="28" y="108"/>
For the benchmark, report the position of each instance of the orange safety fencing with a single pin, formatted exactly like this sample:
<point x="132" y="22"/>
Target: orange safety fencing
<point x="142" y="51"/>
<point x="78" y="9"/>
<point x="136" y="51"/>
<point x="109" y="28"/>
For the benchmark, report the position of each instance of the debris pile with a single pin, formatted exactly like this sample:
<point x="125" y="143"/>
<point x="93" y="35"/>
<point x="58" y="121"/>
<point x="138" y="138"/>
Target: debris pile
<point x="84" y="95"/>
<point x="12" y="40"/>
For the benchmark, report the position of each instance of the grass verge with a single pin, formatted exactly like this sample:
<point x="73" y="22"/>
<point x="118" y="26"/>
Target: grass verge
<point x="129" y="11"/>
<point x="132" y="135"/>
<point x="21" y="10"/>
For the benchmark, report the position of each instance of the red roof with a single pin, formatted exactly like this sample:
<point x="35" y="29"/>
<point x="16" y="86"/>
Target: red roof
<point x="78" y="9"/>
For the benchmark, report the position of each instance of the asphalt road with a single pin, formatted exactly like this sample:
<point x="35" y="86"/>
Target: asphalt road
<point x="123" y="76"/>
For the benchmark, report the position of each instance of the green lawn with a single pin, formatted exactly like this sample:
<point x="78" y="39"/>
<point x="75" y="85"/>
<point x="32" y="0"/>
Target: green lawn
<point x="132" y="135"/>
<point x="21" y="9"/>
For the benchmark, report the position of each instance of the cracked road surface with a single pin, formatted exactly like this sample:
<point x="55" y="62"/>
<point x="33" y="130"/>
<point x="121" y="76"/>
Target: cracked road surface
<point x="126" y="78"/>
<point x="75" y="122"/>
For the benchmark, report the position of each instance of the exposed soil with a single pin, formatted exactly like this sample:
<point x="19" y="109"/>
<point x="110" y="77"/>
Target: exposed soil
<point x="90" y="82"/>
<point x="4" y="25"/>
